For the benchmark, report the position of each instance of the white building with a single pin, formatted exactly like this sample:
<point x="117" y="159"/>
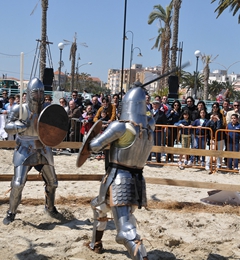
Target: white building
<point x="222" y="76"/>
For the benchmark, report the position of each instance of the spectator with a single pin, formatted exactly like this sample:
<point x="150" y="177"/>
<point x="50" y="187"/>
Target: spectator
<point x="110" y="109"/>
<point x="199" y="136"/>
<point x="233" y="140"/>
<point x="160" y="119"/>
<point x="17" y="99"/>
<point x="7" y="111"/>
<point x="100" y="98"/>
<point x="105" y="118"/>
<point x="7" y="108"/>
<point x="110" y="98"/>
<point x="74" y="113"/>
<point x="215" y="123"/>
<point x="216" y="110"/>
<point x="3" y="133"/>
<point x="116" y="104"/>
<point x="193" y="113"/>
<point x="192" y="108"/>
<point x="87" y="123"/>
<point x="236" y="110"/>
<point x="185" y="124"/>
<point x="172" y="118"/>
<point x="24" y="97"/>
<point x="76" y="99"/>
<point x="63" y="103"/>
<point x="165" y="104"/>
<point x="88" y="109"/>
<point x="47" y="100"/>
<point x="200" y="106"/>
<point x="162" y="107"/>
<point x="4" y="97"/>
<point x="95" y="104"/>
<point x="225" y="109"/>
<point x="148" y="104"/>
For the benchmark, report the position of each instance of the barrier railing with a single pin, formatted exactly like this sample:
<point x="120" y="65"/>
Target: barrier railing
<point x="175" y="150"/>
<point x="216" y="145"/>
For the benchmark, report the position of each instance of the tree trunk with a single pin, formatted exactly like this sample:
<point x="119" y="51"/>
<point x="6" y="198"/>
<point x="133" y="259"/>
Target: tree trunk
<point x="176" y="6"/>
<point x="43" y="38"/>
<point x="206" y="77"/>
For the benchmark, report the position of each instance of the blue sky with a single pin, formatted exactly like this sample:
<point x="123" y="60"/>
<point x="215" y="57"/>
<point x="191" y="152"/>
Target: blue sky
<point x="100" y="25"/>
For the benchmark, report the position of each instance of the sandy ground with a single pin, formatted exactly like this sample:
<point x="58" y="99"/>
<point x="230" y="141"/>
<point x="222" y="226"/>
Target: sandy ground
<point x="176" y="224"/>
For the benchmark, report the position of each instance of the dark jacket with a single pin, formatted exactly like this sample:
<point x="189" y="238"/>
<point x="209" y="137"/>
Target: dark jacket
<point x="184" y="131"/>
<point x="197" y="123"/>
<point x="173" y="117"/>
<point x="160" y="118"/>
<point x="215" y="125"/>
<point x="193" y="112"/>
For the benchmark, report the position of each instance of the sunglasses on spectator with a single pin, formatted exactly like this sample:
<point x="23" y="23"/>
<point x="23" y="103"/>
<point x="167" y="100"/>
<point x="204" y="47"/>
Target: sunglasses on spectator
<point x="236" y="105"/>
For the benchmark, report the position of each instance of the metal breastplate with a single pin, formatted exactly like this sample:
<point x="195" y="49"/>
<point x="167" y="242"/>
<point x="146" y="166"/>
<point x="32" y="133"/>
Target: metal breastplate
<point x="136" y="154"/>
<point x="32" y="129"/>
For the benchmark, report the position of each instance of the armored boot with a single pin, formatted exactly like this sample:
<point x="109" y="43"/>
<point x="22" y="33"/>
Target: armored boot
<point x="97" y="247"/>
<point x="50" y="209"/>
<point x="15" y="199"/>
<point x="9" y="218"/>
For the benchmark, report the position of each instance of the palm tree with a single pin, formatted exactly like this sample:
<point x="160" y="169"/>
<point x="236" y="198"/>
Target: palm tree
<point x="72" y="57"/>
<point x="188" y="80"/>
<point x="176" y="5"/>
<point x="214" y="89"/>
<point x="43" y="38"/>
<point x="206" y="59"/>
<point x="160" y="45"/>
<point x="224" y="4"/>
<point x="164" y="32"/>
<point x="233" y="94"/>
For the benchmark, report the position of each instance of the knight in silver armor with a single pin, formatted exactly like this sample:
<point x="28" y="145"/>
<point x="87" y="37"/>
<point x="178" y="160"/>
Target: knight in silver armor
<point x="30" y="152"/>
<point x="123" y="187"/>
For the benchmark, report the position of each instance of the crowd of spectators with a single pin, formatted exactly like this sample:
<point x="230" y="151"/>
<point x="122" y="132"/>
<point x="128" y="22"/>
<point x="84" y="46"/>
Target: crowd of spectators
<point x="187" y="125"/>
<point x="195" y="127"/>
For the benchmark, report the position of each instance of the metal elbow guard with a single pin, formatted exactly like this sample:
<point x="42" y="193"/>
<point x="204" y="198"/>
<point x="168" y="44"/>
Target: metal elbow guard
<point x="15" y="127"/>
<point x="114" y="131"/>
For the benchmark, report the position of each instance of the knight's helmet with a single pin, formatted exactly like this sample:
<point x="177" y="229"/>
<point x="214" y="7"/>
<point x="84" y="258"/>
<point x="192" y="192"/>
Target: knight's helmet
<point x="35" y="95"/>
<point x="134" y="106"/>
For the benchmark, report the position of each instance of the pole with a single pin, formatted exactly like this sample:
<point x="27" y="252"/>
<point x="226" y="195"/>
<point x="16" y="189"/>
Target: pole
<point x="195" y="83"/>
<point x="123" y="46"/>
<point x="130" y="71"/>
<point x="21" y="84"/>
<point x="59" y="72"/>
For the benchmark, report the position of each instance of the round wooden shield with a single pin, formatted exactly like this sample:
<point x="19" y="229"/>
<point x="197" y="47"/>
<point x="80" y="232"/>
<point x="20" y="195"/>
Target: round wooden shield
<point x="84" y="150"/>
<point x="52" y="125"/>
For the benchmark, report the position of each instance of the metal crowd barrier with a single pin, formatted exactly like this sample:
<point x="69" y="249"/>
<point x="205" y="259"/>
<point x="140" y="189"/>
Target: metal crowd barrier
<point x="168" y="147"/>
